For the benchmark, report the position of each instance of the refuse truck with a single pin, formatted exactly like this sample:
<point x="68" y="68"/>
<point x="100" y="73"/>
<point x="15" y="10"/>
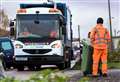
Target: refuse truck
<point x="87" y="61"/>
<point x="42" y="35"/>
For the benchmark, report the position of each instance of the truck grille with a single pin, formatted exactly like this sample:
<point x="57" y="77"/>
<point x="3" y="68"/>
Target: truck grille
<point x="36" y="51"/>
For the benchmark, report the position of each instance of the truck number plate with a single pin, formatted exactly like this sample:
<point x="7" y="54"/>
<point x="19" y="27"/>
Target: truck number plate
<point x="21" y="58"/>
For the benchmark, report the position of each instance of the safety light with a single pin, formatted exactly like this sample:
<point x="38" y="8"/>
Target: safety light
<point x="56" y="45"/>
<point x="52" y="10"/>
<point x="18" y="46"/>
<point x="27" y="43"/>
<point x="21" y="11"/>
<point x="13" y="56"/>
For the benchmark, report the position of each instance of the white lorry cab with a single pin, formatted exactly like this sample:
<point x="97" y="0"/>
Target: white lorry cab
<point x="41" y="35"/>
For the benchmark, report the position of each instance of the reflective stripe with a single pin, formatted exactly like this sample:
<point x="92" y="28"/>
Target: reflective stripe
<point x="100" y="42"/>
<point x="99" y="39"/>
<point x="95" y="63"/>
<point x="104" y="62"/>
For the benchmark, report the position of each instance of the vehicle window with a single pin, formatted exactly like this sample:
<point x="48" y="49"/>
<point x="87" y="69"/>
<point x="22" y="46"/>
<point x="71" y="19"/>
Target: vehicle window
<point x="45" y="27"/>
<point x="6" y="45"/>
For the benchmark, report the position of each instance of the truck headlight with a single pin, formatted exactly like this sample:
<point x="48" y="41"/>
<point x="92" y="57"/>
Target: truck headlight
<point x="18" y="46"/>
<point x="56" y="45"/>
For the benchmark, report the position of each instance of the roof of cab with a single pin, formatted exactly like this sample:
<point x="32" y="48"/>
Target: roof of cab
<point x="60" y="6"/>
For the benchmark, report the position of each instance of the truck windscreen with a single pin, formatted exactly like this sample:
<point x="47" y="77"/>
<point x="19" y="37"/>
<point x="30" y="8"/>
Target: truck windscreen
<point x="37" y="26"/>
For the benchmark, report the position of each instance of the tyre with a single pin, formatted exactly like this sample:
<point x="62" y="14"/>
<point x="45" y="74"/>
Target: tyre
<point x="37" y="67"/>
<point x="67" y="65"/>
<point x="20" y="68"/>
<point x="68" y="62"/>
<point x="61" y="66"/>
<point x="32" y="68"/>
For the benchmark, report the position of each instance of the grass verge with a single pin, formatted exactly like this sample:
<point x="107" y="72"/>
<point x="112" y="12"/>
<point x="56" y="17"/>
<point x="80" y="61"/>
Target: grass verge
<point x="113" y="65"/>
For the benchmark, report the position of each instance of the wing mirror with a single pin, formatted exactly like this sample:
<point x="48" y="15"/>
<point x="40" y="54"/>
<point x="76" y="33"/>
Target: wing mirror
<point x="12" y="31"/>
<point x="12" y="24"/>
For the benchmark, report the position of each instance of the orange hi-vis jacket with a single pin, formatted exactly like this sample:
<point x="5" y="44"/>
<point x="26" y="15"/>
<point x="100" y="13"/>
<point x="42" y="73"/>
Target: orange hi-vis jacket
<point x="100" y="37"/>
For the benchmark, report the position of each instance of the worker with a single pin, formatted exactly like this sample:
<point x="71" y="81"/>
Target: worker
<point x="100" y="38"/>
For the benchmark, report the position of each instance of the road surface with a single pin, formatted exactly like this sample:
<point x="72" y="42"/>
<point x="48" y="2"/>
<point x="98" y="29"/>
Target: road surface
<point x="26" y="74"/>
<point x="113" y="76"/>
<point x="75" y="75"/>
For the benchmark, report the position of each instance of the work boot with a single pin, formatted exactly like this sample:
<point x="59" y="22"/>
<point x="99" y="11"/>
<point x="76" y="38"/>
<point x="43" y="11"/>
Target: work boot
<point x="104" y="75"/>
<point x="94" y="76"/>
<point x="100" y="73"/>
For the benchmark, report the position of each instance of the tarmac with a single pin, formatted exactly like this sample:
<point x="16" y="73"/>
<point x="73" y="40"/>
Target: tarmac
<point x="113" y="76"/>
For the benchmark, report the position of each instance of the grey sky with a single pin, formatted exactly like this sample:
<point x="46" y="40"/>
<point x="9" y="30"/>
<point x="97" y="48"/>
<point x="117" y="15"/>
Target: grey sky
<point x="85" y="12"/>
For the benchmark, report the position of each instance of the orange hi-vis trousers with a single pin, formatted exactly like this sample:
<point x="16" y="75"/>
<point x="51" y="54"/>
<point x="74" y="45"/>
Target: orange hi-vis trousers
<point x="97" y="55"/>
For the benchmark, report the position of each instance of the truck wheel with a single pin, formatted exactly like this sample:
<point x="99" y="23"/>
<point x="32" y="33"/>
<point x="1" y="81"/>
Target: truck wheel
<point x="20" y="68"/>
<point x="32" y="68"/>
<point x="37" y="67"/>
<point x="68" y="63"/>
<point x="61" y="66"/>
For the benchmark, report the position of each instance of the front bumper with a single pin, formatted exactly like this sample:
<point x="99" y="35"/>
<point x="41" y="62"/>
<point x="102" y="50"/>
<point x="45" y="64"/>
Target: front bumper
<point x="38" y="59"/>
